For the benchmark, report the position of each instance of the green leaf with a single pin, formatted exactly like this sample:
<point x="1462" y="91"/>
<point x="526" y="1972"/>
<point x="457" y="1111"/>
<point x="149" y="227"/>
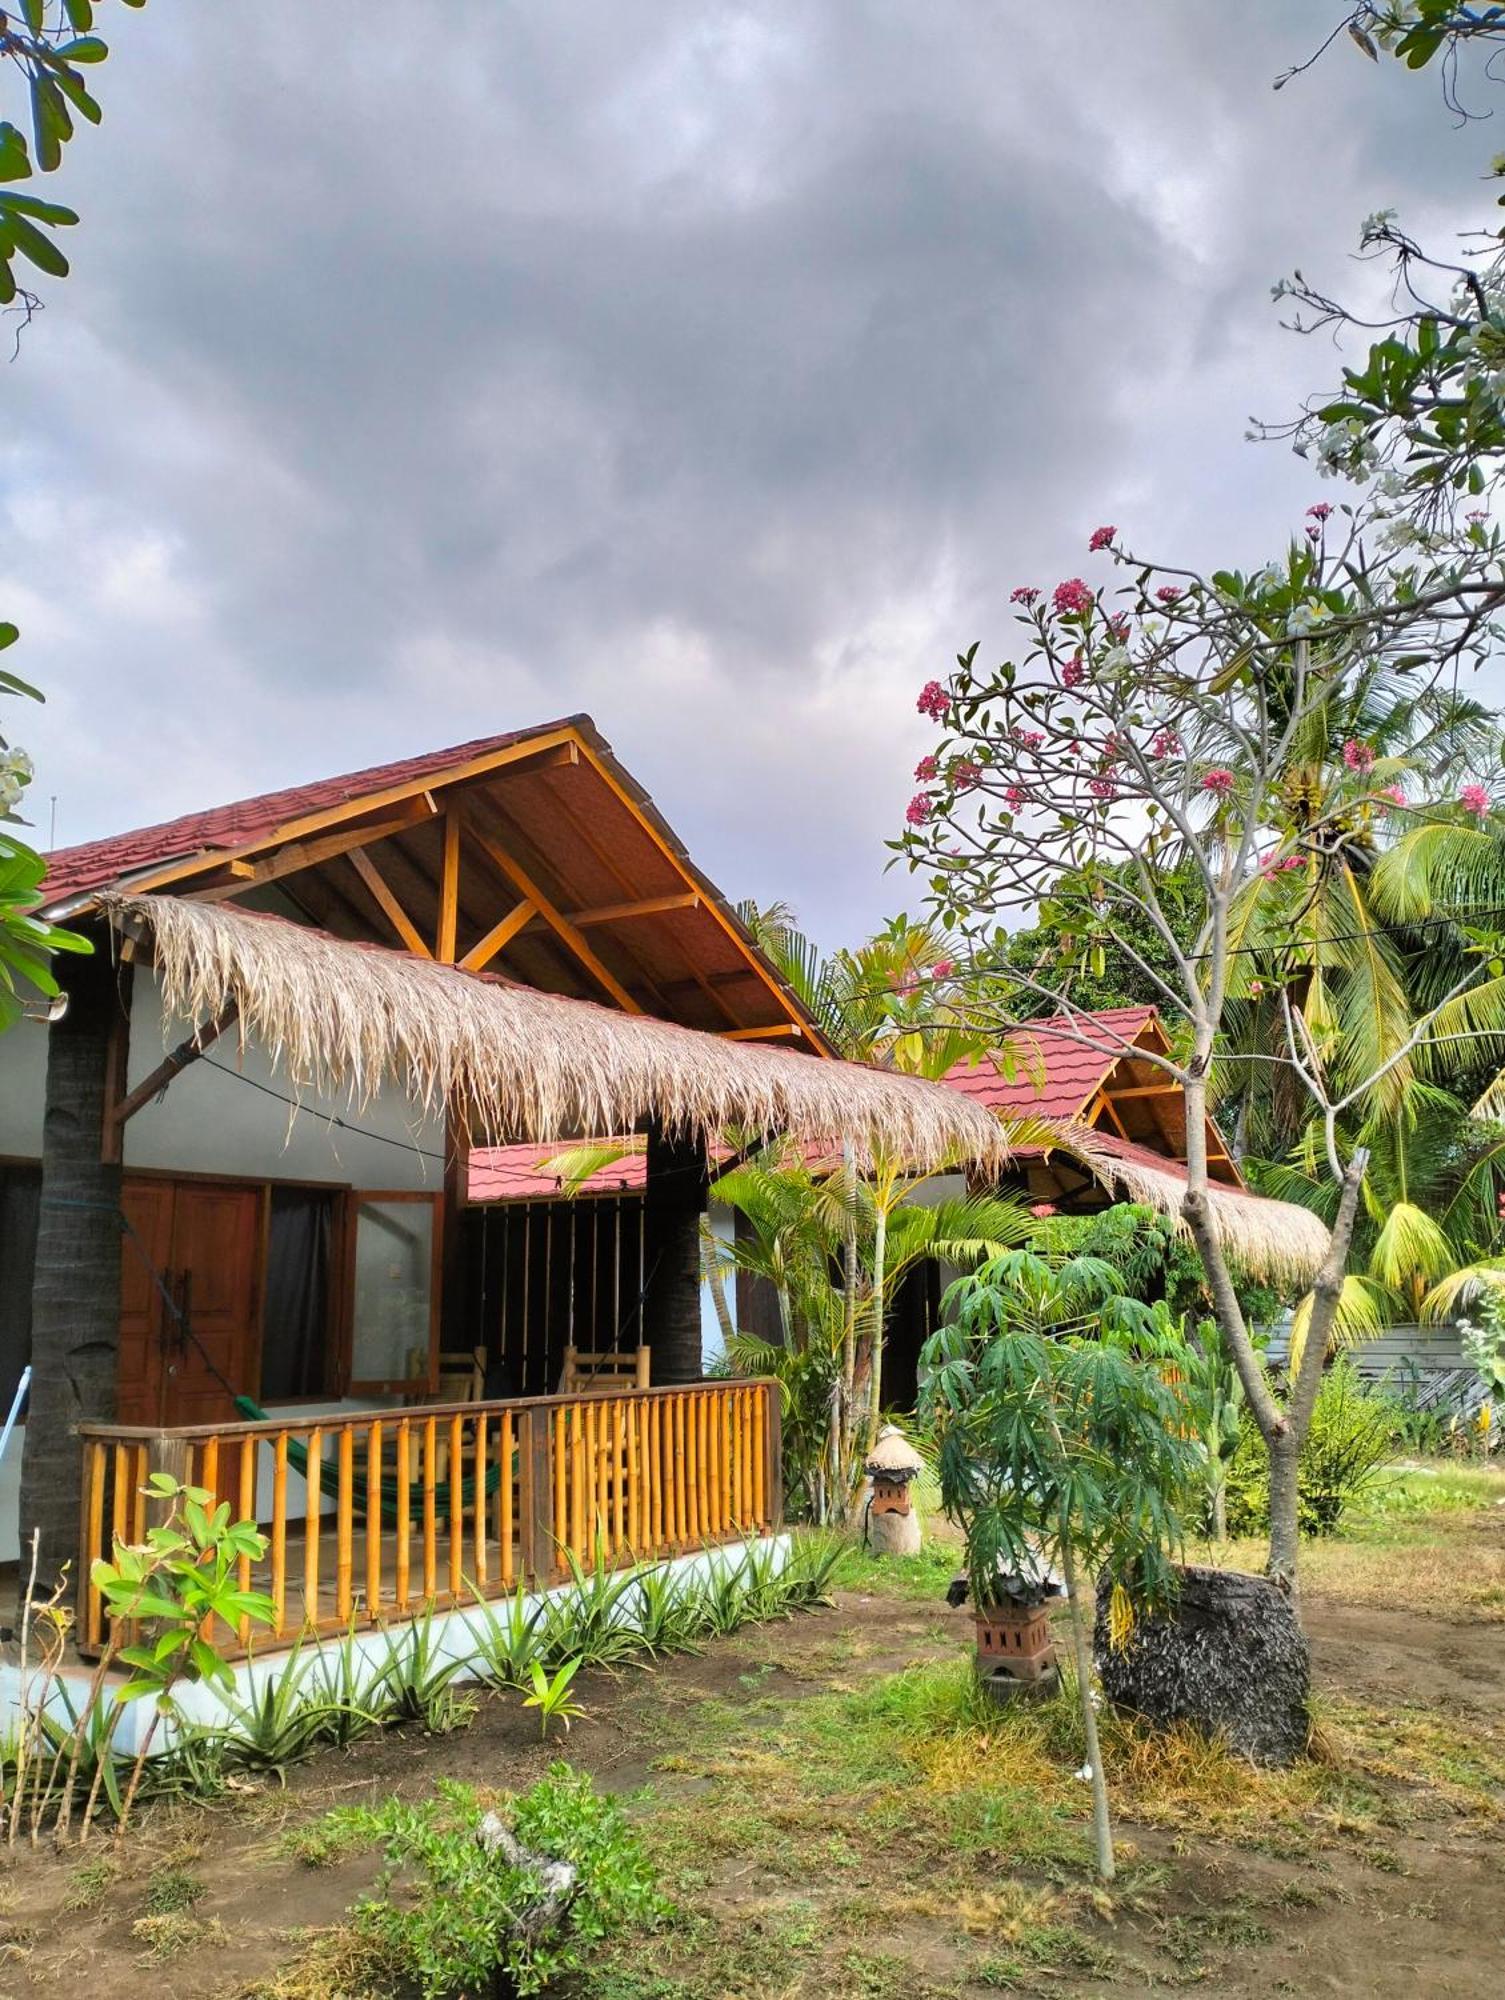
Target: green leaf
<point x="9" y="634"/>
<point x="83" y="49"/>
<point x="15" y="160"/>
<point x="51" y="212"/>
<point x="80" y="15"/>
<point x="34" y="13"/>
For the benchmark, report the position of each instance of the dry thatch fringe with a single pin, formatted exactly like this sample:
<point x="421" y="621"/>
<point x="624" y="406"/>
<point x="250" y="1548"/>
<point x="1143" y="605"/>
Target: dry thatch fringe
<point x="513" y="1063"/>
<point x="1278" y="1242"/>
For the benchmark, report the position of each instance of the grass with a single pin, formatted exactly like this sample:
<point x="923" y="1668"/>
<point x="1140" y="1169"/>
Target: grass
<point x="1415" y="1515"/>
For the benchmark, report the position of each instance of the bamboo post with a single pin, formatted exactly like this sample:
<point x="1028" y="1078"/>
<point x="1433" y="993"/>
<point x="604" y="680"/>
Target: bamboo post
<point x="246" y="1509"/>
<point x="344" y="1568"/>
<point x="774" y="1434"/>
<point x="577" y="1478"/>
<point x="457" y="1504"/>
<point x="404" y="1522"/>
<point x="279" y="1533"/>
<point x="430" y="1505"/>
<point x="635" y="1537"/>
<point x="504" y="1452"/>
<point x="373" y="1518"/>
<point x="681" y="1481"/>
<point x="559" y="1461"/>
<point x="655" y="1411"/>
<point x="479" y="1504"/>
<point x="312" y="1528"/>
<point x="758" y="1448"/>
<point x="140" y="1466"/>
<point x="93" y="1512"/>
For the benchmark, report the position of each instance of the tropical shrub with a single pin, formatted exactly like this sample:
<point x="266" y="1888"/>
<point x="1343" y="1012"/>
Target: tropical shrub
<point x="451" y="1913"/>
<point x="1063" y="1446"/>
<point x="1351" y="1437"/>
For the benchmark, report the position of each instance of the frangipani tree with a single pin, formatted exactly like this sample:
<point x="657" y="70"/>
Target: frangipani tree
<point x="1156" y="728"/>
<point x="1064" y="1444"/>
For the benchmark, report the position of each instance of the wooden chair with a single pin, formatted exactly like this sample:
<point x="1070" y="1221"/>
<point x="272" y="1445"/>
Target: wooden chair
<point x="584" y="1371"/>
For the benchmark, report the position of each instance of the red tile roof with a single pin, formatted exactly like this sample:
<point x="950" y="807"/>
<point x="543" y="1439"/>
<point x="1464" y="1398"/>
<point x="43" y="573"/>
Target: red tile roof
<point x="1055" y="1075"/>
<point x="95" y="864"/>
<point x="512" y="1173"/>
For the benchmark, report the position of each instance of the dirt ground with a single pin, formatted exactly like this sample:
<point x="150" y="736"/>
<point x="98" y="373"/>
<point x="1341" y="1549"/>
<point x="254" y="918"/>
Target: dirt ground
<point x="805" y="1859"/>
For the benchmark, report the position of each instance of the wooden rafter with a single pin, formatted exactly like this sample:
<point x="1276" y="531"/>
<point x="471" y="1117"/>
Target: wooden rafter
<point x="178" y="1059"/>
<point x="649" y="906"/>
<point x="385" y="897"/>
<point x="781" y="1031"/>
<point x="611" y="866"/>
<point x="449" y="887"/>
<point x="297" y="855"/>
<point x="500" y="934"/>
<point x="555" y="918"/>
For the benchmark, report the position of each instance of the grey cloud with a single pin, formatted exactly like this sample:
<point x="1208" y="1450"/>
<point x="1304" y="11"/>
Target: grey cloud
<point x="715" y="367"/>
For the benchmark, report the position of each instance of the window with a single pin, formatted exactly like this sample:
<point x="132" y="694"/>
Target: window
<point x="394" y="1292"/>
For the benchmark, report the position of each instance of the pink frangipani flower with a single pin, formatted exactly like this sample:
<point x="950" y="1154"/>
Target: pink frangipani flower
<point x="1102" y="538"/>
<point x="1474" y="799"/>
<point x="1025" y="594"/>
<point x="926" y="768"/>
<point x="933" y="701"/>
<point x="1072" y="598"/>
<point x="919" y="809"/>
<point x="1220" y="782"/>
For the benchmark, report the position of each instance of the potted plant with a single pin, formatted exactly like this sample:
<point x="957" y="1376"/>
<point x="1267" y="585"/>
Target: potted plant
<point x="1064" y="1452"/>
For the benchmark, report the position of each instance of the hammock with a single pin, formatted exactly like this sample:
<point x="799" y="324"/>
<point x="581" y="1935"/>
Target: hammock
<point x="297" y="1458"/>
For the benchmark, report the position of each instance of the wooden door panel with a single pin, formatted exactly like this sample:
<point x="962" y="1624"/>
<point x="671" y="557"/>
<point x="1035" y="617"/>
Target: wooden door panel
<point x="214" y="1243"/>
<point x="145" y="1247"/>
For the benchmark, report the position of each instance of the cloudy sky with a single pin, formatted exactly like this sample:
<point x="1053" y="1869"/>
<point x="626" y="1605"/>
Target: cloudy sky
<point x="714" y="368"/>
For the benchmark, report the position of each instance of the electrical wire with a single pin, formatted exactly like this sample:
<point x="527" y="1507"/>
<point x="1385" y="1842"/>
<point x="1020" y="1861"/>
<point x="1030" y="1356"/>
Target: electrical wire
<point x="324" y="1117"/>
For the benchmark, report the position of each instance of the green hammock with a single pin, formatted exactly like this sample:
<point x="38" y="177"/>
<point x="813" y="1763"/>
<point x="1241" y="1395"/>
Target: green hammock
<point x="297" y="1458"/>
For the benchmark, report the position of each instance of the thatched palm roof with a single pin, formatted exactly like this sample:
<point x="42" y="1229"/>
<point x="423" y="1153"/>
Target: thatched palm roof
<point x="1278" y="1242"/>
<point x="514" y="1063"/>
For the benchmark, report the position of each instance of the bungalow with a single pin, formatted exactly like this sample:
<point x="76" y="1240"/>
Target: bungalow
<point x="234" y="1179"/>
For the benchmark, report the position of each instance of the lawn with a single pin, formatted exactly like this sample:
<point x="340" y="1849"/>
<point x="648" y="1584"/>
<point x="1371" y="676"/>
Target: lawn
<point x="832" y="1810"/>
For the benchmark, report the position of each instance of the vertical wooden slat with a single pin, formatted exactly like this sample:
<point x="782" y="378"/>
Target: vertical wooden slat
<point x="246" y="1508"/>
<point x="774" y="1419"/>
<point x="403" y="1524"/>
<point x="120" y="1498"/>
<point x="479" y="1506"/>
<point x="635" y="1536"/>
<point x="648" y="1476"/>
<point x="140" y="1458"/>
<point x="577" y="1478"/>
<point x="559" y="1446"/>
<point x="595" y="1492"/>
<point x="757" y="1447"/>
<point x="312" y="1528"/>
<point x="209" y="1466"/>
<point x="601" y="1526"/>
<point x="430" y="1505"/>
<point x="540" y="1491"/>
<point x="504" y="1452"/>
<point x="456" y="1504"/>
<point x="700" y="1508"/>
<point x="94" y="1527"/>
<point x="344" y="1515"/>
<point x="279" y="1532"/>
<point x="655" y="1411"/>
<point x="681" y="1473"/>
<point x="619" y="1473"/>
<point x="726" y="1432"/>
<point x="372" y="1517"/>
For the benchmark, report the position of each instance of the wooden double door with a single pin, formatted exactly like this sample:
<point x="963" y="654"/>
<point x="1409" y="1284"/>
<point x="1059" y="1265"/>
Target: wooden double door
<point x="190" y="1284"/>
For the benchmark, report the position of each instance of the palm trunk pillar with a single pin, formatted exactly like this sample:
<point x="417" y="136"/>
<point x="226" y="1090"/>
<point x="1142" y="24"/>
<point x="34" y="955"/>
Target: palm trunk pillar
<point x="75" y="1303"/>
<point x="675" y="1198"/>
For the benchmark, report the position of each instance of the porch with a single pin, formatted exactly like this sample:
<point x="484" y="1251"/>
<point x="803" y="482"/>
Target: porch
<point x="379" y="1515"/>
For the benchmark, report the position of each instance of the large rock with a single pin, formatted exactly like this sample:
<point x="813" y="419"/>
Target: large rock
<point x="1231" y="1658"/>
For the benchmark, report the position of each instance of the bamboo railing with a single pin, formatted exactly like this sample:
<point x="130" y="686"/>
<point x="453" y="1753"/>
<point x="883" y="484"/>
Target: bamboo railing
<point x="376" y="1515"/>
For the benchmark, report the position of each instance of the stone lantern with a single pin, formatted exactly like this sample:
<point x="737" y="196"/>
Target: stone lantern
<point x="892" y="1520"/>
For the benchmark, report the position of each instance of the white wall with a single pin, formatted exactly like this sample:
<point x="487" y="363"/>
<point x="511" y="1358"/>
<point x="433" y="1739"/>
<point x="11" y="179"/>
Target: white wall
<point x="213" y="1122"/>
<point x="23" y="1084"/>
